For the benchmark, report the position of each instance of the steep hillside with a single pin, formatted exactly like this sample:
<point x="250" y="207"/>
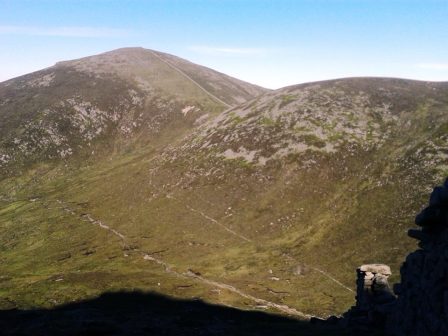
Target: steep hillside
<point x="335" y="166"/>
<point x="271" y="205"/>
<point x="110" y="100"/>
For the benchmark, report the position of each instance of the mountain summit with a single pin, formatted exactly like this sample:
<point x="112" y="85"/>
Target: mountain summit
<point x="123" y="94"/>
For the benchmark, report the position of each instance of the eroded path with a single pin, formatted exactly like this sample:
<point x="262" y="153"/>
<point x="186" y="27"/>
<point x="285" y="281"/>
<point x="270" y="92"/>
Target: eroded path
<point x="214" y="221"/>
<point x="189" y="274"/>
<point x="175" y="68"/>
<point x="325" y="274"/>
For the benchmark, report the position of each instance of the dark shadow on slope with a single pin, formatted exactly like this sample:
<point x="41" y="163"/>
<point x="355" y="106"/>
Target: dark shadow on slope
<point x="137" y="313"/>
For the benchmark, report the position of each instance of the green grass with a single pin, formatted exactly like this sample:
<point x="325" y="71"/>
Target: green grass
<point x="342" y="210"/>
<point x="286" y="99"/>
<point x="268" y="122"/>
<point x="123" y="194"/>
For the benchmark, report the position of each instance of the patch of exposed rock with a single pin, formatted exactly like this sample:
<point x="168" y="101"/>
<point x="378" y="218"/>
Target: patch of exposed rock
<point x="374" y="300"/>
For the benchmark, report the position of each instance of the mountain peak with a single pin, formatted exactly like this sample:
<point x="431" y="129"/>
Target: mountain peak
<point x="154" y="69"/>
<point x="121" y="93"/>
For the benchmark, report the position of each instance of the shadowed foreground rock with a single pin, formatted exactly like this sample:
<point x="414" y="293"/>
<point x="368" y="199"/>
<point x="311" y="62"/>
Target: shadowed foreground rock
<point x="422" y="304"/>
<point x="374" y="298"/>
<point x="375" y="301"/>
<point x="138" y="314"/>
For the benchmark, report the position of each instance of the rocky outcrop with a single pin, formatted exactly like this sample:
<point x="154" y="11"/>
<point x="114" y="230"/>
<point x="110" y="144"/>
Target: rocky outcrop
<point x="422" y="303"/>
<point x="418" y="305"/>
<point x="374" y="300"/>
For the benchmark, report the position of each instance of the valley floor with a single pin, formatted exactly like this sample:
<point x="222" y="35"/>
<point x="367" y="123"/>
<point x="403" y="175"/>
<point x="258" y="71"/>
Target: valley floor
<point x="61" y="243"/>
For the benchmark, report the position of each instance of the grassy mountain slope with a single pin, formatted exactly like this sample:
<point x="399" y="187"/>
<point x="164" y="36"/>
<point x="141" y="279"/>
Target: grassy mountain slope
<point x="271" y="205"/>
<point x="105" y="102"/>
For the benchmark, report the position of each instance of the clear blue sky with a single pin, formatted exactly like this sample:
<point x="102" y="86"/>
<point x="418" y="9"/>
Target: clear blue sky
<point x="272" y="43"/>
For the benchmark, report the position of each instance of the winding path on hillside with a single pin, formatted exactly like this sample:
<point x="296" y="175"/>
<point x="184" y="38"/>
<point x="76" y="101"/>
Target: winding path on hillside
<point x="189" y="274"/>
<point x="175" y="68"/>
<point x="316" y="269"/>
<point x="214" y="221"/>
<point x="329" y="276"/>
